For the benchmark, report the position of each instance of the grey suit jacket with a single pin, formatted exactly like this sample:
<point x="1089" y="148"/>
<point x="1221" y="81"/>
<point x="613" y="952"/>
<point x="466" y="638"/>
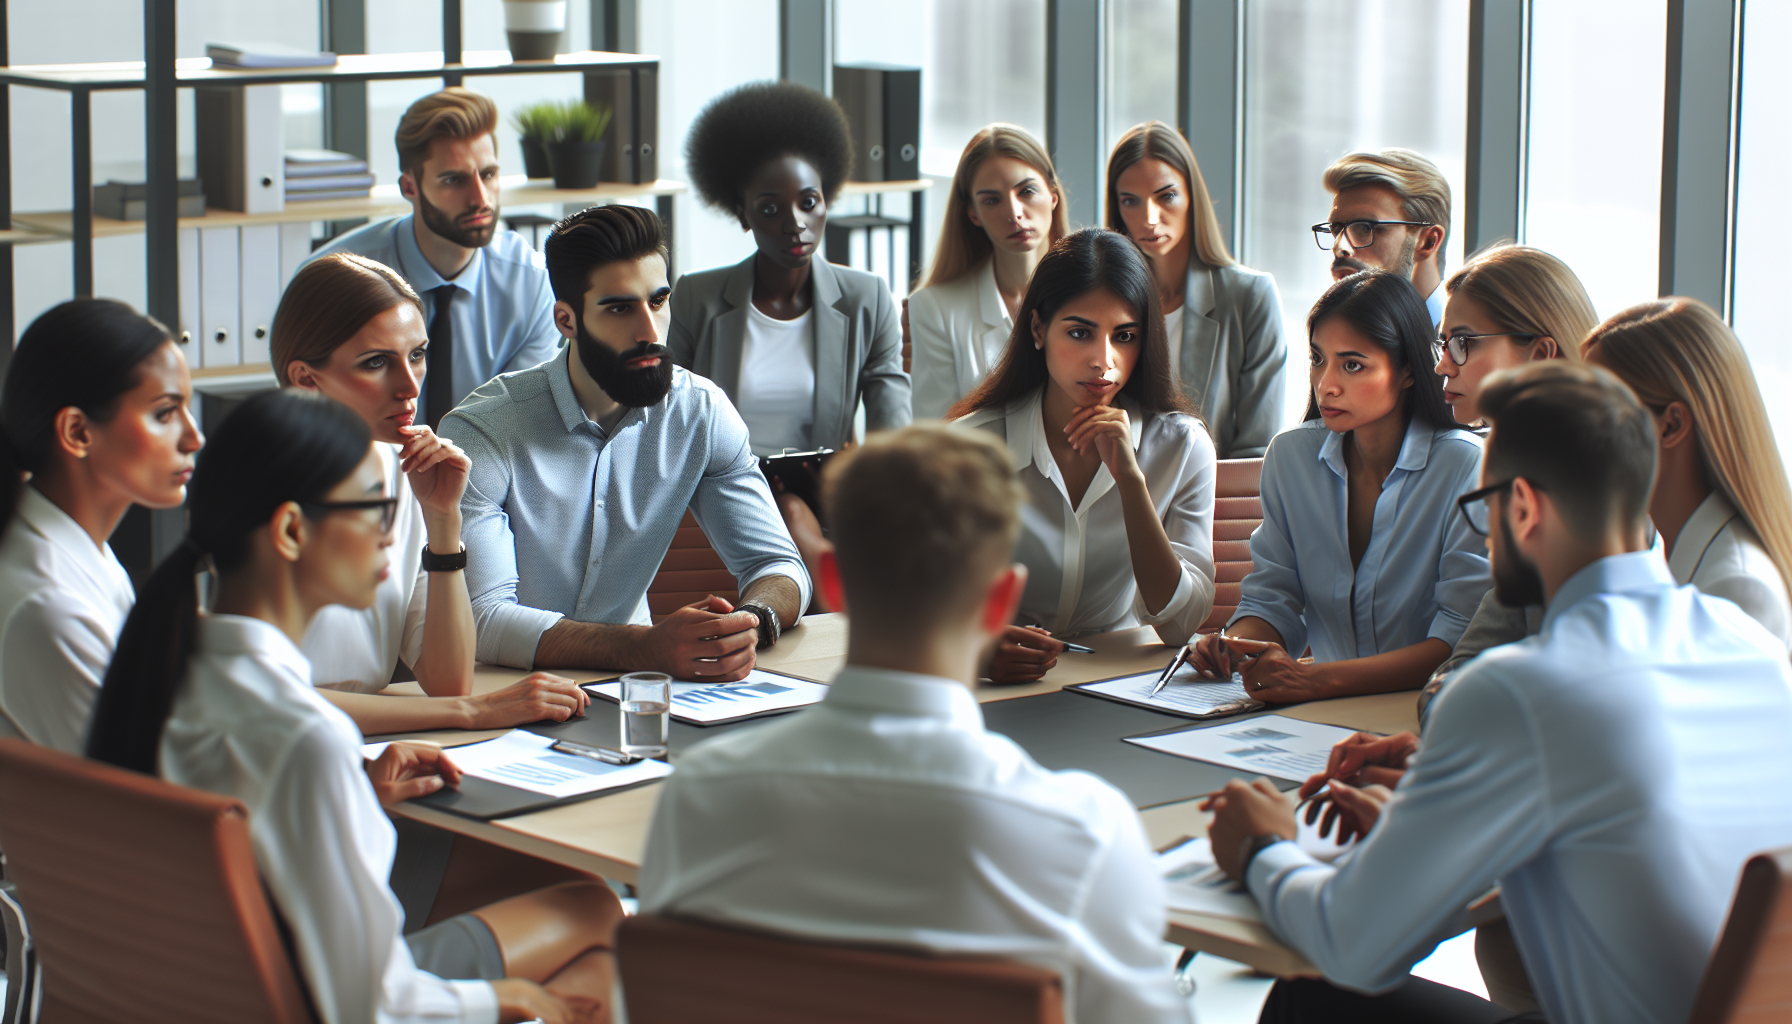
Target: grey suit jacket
<point x="858" y="342"/>
<point x="1232" y="358"/>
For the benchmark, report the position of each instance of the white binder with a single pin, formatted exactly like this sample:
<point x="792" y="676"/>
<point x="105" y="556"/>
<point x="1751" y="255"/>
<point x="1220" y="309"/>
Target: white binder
<point x="260" y="289"/>
<point x="219" y="340"/>
<point x="187" y="331"/>
<point x="295" y="248"/>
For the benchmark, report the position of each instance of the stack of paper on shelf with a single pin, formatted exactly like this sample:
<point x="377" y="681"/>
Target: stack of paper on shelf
<point x="129" y="200"/>
<point x="314" y="174"/>
<point x="263" y="55"/>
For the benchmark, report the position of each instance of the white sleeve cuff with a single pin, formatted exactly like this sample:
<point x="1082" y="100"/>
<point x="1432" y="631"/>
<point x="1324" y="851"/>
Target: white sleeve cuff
<point x="509" y="633"/>
<point x="478" y="1001"/>
<point x="1271" y="863"/>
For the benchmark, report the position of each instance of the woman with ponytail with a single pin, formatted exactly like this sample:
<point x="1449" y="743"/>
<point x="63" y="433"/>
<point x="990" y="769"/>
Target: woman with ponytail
<point x="94" y="417"/>
<point x="291" y="511"/>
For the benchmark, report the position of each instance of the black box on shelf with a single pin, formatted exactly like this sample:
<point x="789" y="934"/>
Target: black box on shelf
<point x="632" y="94"/>
<point x="129" y="200"/>
<point x="883" y="105"/>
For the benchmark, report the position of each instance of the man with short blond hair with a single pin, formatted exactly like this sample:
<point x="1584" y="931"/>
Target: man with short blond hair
<point x="1390" y="211"/>
<point x="484" y="288"/>
<point x="886" y="815"/>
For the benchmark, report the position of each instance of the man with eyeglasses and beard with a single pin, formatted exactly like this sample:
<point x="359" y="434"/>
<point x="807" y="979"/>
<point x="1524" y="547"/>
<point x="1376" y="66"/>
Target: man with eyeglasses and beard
<point x="584" y="466"/>
<point x="484" y="288"/>
<point x="1611" y="774"/>
<point x="1390" y="211"/>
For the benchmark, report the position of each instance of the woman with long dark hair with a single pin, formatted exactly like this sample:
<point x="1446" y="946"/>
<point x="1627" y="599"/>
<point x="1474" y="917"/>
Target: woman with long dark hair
<point x="290" y="507"/>
<point x="1119" y="471"/>
<point x="95" y="417"/>
<point x="1362" y="553"/>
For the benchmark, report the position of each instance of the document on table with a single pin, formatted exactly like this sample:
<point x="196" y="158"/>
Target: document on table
<point x="761" y="693"/>
<point x="525" y="761"/>
<point x="1186" y="694"/>
<point x="1192" y="882"/>
<point x="1282" y="748"/>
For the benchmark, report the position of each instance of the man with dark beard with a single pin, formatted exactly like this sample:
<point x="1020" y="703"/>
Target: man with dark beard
<point x="584" y="466"/>
<point x="1390" y="211"/>
<point x="484" y="289"/>
<point x="1611" y="774"/>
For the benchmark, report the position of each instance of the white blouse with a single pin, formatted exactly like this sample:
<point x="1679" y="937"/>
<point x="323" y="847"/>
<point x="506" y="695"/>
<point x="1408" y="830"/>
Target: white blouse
<point x="777" y="382"/>
<point x="1718" y="553"/>
<point x="63" y="600"/>
<point x="247" y="723"/>
<point x="959" y="330"/>
<point x="1079" y="566"/>
<point x="356" y="649"/>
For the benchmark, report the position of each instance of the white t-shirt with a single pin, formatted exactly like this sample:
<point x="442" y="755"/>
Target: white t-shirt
<point x="777" y="382"/>
<point x="357" y="650"/>
<point x="1173" y="329"/>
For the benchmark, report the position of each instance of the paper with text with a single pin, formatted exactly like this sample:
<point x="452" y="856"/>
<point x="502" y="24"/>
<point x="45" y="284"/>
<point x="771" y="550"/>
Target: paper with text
<point x="524" y="760"/>
<point x="1282" y="748"/>
<point x="1186" y="694"/>
<point x="760" y="693"/>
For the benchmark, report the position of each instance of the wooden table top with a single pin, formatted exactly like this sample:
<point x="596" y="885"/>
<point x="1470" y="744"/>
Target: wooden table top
<point x="608" y="835"/>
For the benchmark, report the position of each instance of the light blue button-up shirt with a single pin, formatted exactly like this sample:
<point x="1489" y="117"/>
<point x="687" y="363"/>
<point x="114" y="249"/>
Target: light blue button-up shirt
<point x="503" y="310"/>
<point x="1611" y="774"/>
<point x="1423" y="575"/>
<point x="562" y="520"/>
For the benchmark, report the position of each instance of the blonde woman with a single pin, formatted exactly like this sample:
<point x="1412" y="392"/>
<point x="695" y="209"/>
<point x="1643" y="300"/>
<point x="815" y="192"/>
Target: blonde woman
<point x="1005" y="210"/>
<point x="1224" y="320"/>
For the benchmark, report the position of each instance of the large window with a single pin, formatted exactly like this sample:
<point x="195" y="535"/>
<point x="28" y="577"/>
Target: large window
<point x="1323" y="79"/>
<point x="1764" y="154"/>
<point x="1141" y="66"/>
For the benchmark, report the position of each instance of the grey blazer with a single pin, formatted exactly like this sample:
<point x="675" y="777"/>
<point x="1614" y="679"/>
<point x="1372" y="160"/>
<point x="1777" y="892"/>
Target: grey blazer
<point x="1233" y="359"/>
<point x="858" y="342"/>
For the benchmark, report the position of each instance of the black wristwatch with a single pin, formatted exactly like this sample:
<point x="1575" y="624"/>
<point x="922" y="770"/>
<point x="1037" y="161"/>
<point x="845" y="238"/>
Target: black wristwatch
<point x="1252" y="846"/>
<point x="433" y="562"/>
<point x="769" y="627"/>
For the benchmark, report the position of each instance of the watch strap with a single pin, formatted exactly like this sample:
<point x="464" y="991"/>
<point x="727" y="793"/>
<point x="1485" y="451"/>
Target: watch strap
<point x="433" y="562"/>
<point x="769" y="626"/>
<point x="1252" y="846"/>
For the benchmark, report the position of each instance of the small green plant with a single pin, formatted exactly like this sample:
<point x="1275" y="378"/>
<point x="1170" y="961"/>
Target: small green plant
<point x="537" y="120"/>
<point x="578" y="121"/>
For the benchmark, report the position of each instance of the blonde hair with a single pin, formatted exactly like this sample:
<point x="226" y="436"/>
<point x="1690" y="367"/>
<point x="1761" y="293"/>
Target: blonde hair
<point x="964" y="247"/>
<point x="922" y="519"/>
<point x="1155" y="140"/>
<point x="1422" y="188"/>
<point x="453" y="113"/>
<point x="1528" y="291"/>
<point x="1678" y="350"/>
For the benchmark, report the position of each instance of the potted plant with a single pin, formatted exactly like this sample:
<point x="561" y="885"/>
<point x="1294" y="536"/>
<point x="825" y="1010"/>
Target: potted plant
<point x="576" y="147"/>
<point x="535" y="126"/>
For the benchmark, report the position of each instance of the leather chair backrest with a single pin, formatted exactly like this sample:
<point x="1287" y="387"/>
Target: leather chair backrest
<point x="678" y="971"/>
<point x="143" y="897"/>
<point x="1237" y="511"/>
<point x="690" y="572"/>
<point x="1749" y="977"/>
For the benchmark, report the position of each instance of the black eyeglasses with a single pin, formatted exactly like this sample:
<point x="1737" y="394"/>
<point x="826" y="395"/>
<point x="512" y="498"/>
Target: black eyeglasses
<point x="388" y="509"/>
<point x="1460" y="345"/>
<point x="1360" y="234"/>
<point x="1474" y="504"/>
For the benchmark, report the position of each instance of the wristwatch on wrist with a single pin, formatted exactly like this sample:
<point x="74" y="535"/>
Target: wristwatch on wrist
<point x="433" y="562"/>
<point x="769" y="627"/>
<point x="1252" y="846"/>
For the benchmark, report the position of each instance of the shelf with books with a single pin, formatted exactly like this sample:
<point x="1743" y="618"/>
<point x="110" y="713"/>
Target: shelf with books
<point x="349" y="67"/>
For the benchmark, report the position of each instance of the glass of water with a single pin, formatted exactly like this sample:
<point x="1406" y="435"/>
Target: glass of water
<point x="646" y="713"/>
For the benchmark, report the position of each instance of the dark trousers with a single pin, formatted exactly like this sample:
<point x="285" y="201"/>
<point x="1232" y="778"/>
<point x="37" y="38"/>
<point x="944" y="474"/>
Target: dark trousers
<point x="1312" y="1001"/>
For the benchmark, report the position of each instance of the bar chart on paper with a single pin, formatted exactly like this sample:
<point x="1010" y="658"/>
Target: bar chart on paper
<point x="760" y="693"/>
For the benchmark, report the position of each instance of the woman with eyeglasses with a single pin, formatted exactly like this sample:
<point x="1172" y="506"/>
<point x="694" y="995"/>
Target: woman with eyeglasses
<point x="1362" y="553"/>
<point x="96" y="416"/>
<point x="352" y="329"/>
<point x="288" y="506"/>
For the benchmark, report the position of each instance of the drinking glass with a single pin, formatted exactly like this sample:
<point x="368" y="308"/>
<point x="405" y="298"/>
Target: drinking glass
<point x="646" y="713"/>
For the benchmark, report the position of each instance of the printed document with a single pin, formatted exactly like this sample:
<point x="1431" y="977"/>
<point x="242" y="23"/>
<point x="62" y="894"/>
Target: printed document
<point x="1272" y="745"/>
<point x="1186" y="693"/>
<point x="761" y="693"/>
<point x="524" y="760"/>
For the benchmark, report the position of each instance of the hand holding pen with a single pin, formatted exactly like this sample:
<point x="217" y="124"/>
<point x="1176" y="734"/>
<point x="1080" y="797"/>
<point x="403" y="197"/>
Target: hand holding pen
<point x="1217" y="656"/>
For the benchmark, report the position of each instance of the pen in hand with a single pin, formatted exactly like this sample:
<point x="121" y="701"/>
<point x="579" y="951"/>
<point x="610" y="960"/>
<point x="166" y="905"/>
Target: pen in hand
<point x="1170" y="669"/>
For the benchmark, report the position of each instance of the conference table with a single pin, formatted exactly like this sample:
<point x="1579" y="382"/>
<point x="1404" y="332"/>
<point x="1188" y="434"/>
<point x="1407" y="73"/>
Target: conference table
<point x="606" y="835"/>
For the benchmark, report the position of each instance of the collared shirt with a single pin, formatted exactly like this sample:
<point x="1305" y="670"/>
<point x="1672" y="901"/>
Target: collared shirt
<point x="1611" y="774"/>
<point x="1434" y="304"/>
<point x="561" y="519"/>
<point x="1720" y="554"/>
<point x="1079" y="566"/>
<point x="960" y="329"/>
<point x="503" y="310"/>
<point x="887" y="815"/>
<point x="247" y="723"/>
<point x="358" y="648"/>
<point x="1423" y="575"/>
<point x="63" y="600"/>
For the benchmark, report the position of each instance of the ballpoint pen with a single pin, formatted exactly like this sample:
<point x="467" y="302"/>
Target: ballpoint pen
<point x="1072" y="648"/>
<point x="603" y="754"/>
<point x="1170" y="669"/>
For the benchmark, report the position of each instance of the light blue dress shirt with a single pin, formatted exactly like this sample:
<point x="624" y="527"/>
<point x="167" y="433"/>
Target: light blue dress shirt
<point x="503" y="311"/>
<point x="562" y="520"/>
<point x="1423" y="575"/>
<point x="1611" y="774"/>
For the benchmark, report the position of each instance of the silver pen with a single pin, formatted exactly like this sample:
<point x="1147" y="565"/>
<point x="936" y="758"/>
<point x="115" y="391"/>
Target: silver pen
<point x="1170" y="669"/>
<point x="604" y="754"/>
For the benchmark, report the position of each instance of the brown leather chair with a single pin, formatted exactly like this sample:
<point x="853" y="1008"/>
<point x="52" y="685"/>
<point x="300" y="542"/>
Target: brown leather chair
<point x="677" y="971"/>
<point x="144" y="900"/>
<point x="690" y="572"/>
<point x="1749" y="978"/>
<point x="1237" y="510"/>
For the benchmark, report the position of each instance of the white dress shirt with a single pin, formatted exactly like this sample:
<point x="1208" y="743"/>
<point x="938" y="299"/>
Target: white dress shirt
<point x="247" y="723"/>
<point x="1079" y="566"/>
<point x="63" y="600"/>
<point x="1611" y="774"/>
<point x="777" y="382"/>
<point x="357" y="649"/>
<point x="1718" y="553"/>
<point x="1434" y="304"/>
<point x="959" y="330"/>
<point x="887" y="815"/>
<point x="1425" y="570"/>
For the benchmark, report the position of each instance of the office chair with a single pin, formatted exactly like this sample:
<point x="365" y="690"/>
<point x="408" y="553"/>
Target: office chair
<point x="1749" y="977"/>
<point x="1237" y="511"/>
